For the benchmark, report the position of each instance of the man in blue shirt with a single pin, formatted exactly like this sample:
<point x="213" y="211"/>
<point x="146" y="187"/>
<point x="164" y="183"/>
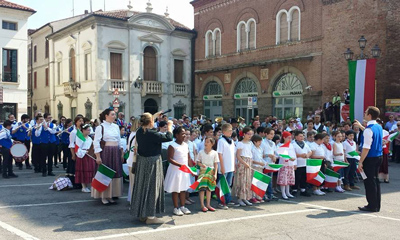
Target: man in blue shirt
<point x="5" y="145"/>
<point x="371" y="159"/>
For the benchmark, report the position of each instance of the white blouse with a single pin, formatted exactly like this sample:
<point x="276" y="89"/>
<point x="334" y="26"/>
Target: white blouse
<point x="72" y="137"/>
<point x="84" y="147"/>
<point x="111" y="134"/>
<point x="246" y="149"/>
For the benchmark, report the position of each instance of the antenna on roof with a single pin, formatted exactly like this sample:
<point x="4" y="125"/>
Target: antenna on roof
<point x="73" y="8"/>
<point x="166" y="13"/>
<point x="130" y="5"/>
<point x="91" y="10"/>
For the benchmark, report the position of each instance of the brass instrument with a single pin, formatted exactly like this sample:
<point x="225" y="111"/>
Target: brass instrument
<point x="240" y="119"/>
<point x="219" y="119"/>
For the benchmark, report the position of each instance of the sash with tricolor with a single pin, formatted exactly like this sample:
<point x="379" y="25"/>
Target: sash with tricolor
<point x="103" y="178"/>
<point x="259" y="184"/>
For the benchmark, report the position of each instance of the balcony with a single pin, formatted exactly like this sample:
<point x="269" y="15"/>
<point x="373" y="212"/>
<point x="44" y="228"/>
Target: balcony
<point x="70" y="89"/>
<point x="121" y="85"/>
<point x="180" y="89"/>
<point x="152" y="88"/>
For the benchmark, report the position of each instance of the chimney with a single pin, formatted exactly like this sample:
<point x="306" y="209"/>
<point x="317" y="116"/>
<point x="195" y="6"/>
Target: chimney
<point x="86" y="11"/>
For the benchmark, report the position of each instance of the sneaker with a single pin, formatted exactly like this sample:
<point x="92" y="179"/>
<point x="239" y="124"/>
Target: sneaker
<point x="321" y="192"/>
<point x="318" y="193"/>
<point x="339" y="190"/>
<point x="241" y="203"/>
<point x="178" y="212"/>
<point x="231" y="203"/>
<point x="221" y="206"/>
<point x="185" y="210"/>
<point x="273" y="198"/>
<point x="340" y="187"/>
<point x="305" y="194"/>
<point x="254" y="201"/>
<point x="355" y="187"/>
<point x="85" y="190"/>
<point x="247" y="202"/>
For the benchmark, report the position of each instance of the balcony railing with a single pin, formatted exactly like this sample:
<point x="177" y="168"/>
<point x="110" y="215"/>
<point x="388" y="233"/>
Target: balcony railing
<point x="70" y="89"/>
<point x="152" y="87"/>
<point x="179" y="89"/>
<point x="121" y="85"/>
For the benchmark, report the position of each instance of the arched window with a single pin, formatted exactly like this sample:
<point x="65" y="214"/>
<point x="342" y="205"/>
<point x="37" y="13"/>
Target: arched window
<point x="288" y="97"/>
<point x="246" y="85"/>
<point x="209" y="44"/>
<point x="283" y="28"/>
<point x="252" y="33"/>
<point x="72" y="75"/>
<point x="213" y="88"/>
<point x="217" y="34"/>
<point x="242" y="37"/>
<point x="150" y="64"/>
<point x="295" y="25"/>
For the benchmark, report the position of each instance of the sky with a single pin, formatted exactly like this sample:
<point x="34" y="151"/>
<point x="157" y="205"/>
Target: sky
<point x="51" y="10"/>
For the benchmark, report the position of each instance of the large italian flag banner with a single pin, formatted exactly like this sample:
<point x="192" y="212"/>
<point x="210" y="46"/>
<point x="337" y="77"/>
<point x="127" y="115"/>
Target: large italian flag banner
<point x="361" y="86"/>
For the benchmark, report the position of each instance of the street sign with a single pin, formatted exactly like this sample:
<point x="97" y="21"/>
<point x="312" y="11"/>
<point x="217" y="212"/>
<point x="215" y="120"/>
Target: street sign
<point x="212" y="97"/>
<point x="116" y="110"/>
<point x="254" y="101"/>
<point x="116" y="93"/>
<point x="116" y="103"/>
<point x="250" y="101"/>
<point x="244" y="95"/>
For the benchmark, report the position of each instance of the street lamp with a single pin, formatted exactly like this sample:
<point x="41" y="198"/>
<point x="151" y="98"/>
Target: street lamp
<point x="362" y="42"/>
<point x="138" y="82"/>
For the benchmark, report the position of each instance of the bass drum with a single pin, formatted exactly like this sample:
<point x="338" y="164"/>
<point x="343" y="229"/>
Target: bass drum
<point x="19" y="152"/>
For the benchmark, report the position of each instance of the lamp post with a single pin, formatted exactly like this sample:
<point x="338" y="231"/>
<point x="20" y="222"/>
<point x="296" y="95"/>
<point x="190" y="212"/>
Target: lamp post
<point x="362" y="42"/>
<point x="138" y="83"/>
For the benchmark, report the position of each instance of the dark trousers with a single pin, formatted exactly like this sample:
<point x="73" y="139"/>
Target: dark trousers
<point x="46" y="158"/>
<point x="371" y="183"/>
<point x="396" y="153"/>
<point x="52" y="150"/>
<point x="27" y="144"/>
<point x="7" y="161"/>
<point x="301" y="178"/>
<point x="66" y="155"/>
<point x="36" y="156"/>
<point x="349" y="172"/>
<point x="57" y="154"/>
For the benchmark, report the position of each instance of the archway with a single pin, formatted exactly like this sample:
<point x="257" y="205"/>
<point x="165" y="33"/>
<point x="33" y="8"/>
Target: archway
<point x="150" y="105"/>
<point x="246" y="93"/>
<point x="288" y="96"/>
<point x="212" y="97"/>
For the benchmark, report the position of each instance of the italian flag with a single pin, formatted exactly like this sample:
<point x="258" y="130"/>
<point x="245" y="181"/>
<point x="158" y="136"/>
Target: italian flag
<point x="269" y="168"/>
<point x="361" y="86"/>
<point x="283" y="151"/>
<point x="337" y="165"/>
<point x="313" y="167"/>
<point x="125" y="170"/>
<point x="222" y="189"/>
<point x="353" y="154"/>
<point x="318" y="180"/>
<point x="259" y="184"/>
<point x="103" y="178"/>
<point x="331" y="178"/>
<point x="80" y="139"/>
<point x="191" y="170"/>
<point x="391" y="137"/>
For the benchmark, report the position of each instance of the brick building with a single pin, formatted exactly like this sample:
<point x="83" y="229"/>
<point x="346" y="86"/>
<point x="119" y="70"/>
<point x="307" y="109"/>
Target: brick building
<point x="287" y="53"/>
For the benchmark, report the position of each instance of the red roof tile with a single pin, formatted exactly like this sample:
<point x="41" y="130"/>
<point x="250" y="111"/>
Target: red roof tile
<point x="11" y="5"/>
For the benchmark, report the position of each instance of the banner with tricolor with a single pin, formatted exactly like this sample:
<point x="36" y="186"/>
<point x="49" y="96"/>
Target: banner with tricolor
<point x="79" y="140"/>
<point x="186" y="169"/>
<point x="318" y="180"/>
<point x="361" y="86"/>
<point x="283" y="151"/>
<point x="391" y="137"/>
<point x="313" y="167"/>
<point x="270" y="167"/>
<point x="222" y="189"/>
<point x="259" y="184"/>
<point x="103" y="178"/>
<point x="331" y="178"/>
<point x="337" y="165"/>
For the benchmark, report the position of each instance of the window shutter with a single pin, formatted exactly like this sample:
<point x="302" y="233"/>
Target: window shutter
<point x="218" y="43"/>
<point x="243" y="39"/>
<point x="294" y="27"/>
<point x="150" y="64"/>
<point x="35" y="80"/>
<point x="47" y="77"/>
<point x="178" y="71"/>
<point x="34" y="53"/>
<point x="116" y="65"/>
<point x="252" y="35"/>
<point x="72" y="65"/>
<point x="283" y="28"/>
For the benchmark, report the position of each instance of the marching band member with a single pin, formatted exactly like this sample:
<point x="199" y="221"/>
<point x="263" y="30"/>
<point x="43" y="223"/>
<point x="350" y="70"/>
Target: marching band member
<point x="46" y="146"/>
<point x="5" y="144"/>
<point x="20" y="133"/>
<point x="36" y="141"/>
<point x="85" y="165"/>
<point x="65" y="142"/>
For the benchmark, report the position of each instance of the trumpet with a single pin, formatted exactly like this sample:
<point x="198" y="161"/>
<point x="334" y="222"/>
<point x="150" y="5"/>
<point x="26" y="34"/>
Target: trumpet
<point x="219" y="119"/>
<point x="240" y="119"/>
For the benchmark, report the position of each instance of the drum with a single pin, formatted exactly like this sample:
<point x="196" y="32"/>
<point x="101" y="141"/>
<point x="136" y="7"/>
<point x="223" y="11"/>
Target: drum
<point x="19" y="152"/>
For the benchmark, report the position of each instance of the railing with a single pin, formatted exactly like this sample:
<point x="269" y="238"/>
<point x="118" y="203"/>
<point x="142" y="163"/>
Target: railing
<point x="179" y="89"/>
<point x="69" y="89"/>
<point x="152" y="87"/>
<point x="121" y="85"/>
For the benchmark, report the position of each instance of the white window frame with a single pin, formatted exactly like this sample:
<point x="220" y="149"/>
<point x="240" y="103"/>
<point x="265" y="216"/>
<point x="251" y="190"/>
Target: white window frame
<point x="290" y="18"/>
<point x="215" y="42"/>
<point x="248" y="32"/>
<point x="278" y="25"/>
<point x="239" y="34"/>
<point x="207" y="54"/>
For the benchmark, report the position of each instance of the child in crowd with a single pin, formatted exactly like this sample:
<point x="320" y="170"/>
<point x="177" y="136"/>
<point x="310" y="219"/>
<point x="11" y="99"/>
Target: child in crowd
<point x="207" y="158"/>
<point x="269" y="148"/>
<point x="258" y="162"/>
<point x="339" y="155"/>
<point x="327" y="146"/>
<point x="226" y="155"/>
<point x="286" y="177"/>
<point x="310" y="138"/>
<point x="84" y="164"/>
<point x="243" y="177"/>
<point x="318" y="153"/>
<point x="177" y="181"/>
<point x="193" y="155"/>
<point x="303" y="152"/>
<point x="350" y="146"/>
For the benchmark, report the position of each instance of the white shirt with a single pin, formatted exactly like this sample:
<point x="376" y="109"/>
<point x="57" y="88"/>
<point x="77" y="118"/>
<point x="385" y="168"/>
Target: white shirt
<point x="111" y="134"/>
<point x="269" y="148"/>
<point x="192" y="147"/>
<point x="84" y="147"/>
<point x="317" y="149"/>
<point x="368" y="135"/>
<point x="317" y="126"/>
<point x="72" y="137"/>
<point x="258" y="153"/>
<point x="51" y="128"/>
<point x="200" y="145"/>
<point x="301" y="162"/>
<point x="328" y="153"/>
<point x="165" y="145"/>
<point x="289" y="151"/>
<point x="228" y="155"/>
<point x="246" y="149"/>
<point x="208" y="159"/>
<point x="339" y="149"/>
<point x="347" y="147"/>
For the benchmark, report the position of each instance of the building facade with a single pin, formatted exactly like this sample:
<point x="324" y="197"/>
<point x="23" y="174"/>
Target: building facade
<point x="285" y="57"/>
<point x="13" y="61"/>
<point x="146" y="56"/>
